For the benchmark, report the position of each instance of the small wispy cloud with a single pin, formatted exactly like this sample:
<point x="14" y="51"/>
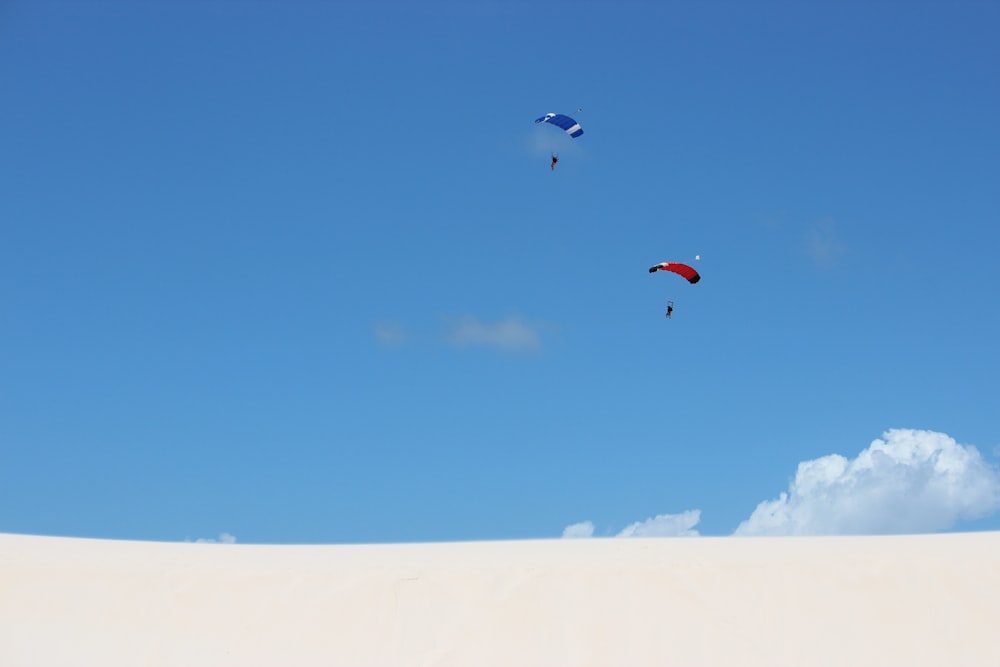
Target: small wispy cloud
<point x="908" y="481"/>
<point x="665" y="525"/>
<point x="579" y="530"/>
<point x="390" y="334"/>
<point x="662" y="525"/>
<point x="823" y="243"/>
<point x="224" y="538"/>
<point x="512" y="334"/>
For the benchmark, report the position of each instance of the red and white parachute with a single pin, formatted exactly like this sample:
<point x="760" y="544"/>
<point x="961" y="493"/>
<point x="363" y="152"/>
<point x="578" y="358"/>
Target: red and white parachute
<point x="683" y="270"/>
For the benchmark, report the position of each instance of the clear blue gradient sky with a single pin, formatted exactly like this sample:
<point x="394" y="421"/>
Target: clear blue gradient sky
<point x="300" y="272"/>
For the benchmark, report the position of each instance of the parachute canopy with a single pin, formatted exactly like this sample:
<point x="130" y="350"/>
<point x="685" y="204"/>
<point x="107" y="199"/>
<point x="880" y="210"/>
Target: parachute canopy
<point x="683" y="270"/>
<point x="571" y="127"/>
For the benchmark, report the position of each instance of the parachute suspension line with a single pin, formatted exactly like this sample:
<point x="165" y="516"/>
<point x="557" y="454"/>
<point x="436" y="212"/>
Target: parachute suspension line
<point x="564" y="123"/>
<point x="685" y="271"/>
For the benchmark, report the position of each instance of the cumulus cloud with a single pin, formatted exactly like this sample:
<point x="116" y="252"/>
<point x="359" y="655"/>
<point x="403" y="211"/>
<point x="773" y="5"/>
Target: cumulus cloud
<point x="507" y="334"/>
<point x="909" y="481"/>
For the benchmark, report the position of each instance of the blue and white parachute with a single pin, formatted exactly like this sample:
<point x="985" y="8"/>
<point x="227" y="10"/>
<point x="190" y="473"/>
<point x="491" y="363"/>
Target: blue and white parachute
<point x="571" y="127"/>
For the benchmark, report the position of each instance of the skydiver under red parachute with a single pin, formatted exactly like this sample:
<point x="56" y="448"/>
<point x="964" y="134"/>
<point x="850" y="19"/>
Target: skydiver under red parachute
<point x="683" y="270"/>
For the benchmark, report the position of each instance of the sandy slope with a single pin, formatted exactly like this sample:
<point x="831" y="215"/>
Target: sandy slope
<point x="844" y="601"/>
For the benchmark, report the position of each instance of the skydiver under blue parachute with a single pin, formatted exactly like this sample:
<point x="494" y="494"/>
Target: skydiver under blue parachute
<point x="567" y="124"/>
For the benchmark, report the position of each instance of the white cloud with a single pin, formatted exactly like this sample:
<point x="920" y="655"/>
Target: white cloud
<point x="665" y="525"/>
<point x="823" y="243"/>
<point x="224" y="538"/>
<point x="582" y="529"/>
<point x="507" y="334"/>
<point x="389" y="333"/>
<point x="910" y="481"/>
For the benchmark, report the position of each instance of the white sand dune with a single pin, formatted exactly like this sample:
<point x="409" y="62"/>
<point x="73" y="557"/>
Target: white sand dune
<point x="901" y="601"/>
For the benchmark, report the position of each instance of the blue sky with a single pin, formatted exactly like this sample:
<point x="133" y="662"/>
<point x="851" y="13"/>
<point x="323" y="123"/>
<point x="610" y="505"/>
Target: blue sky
<point x="300" y="272"/>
